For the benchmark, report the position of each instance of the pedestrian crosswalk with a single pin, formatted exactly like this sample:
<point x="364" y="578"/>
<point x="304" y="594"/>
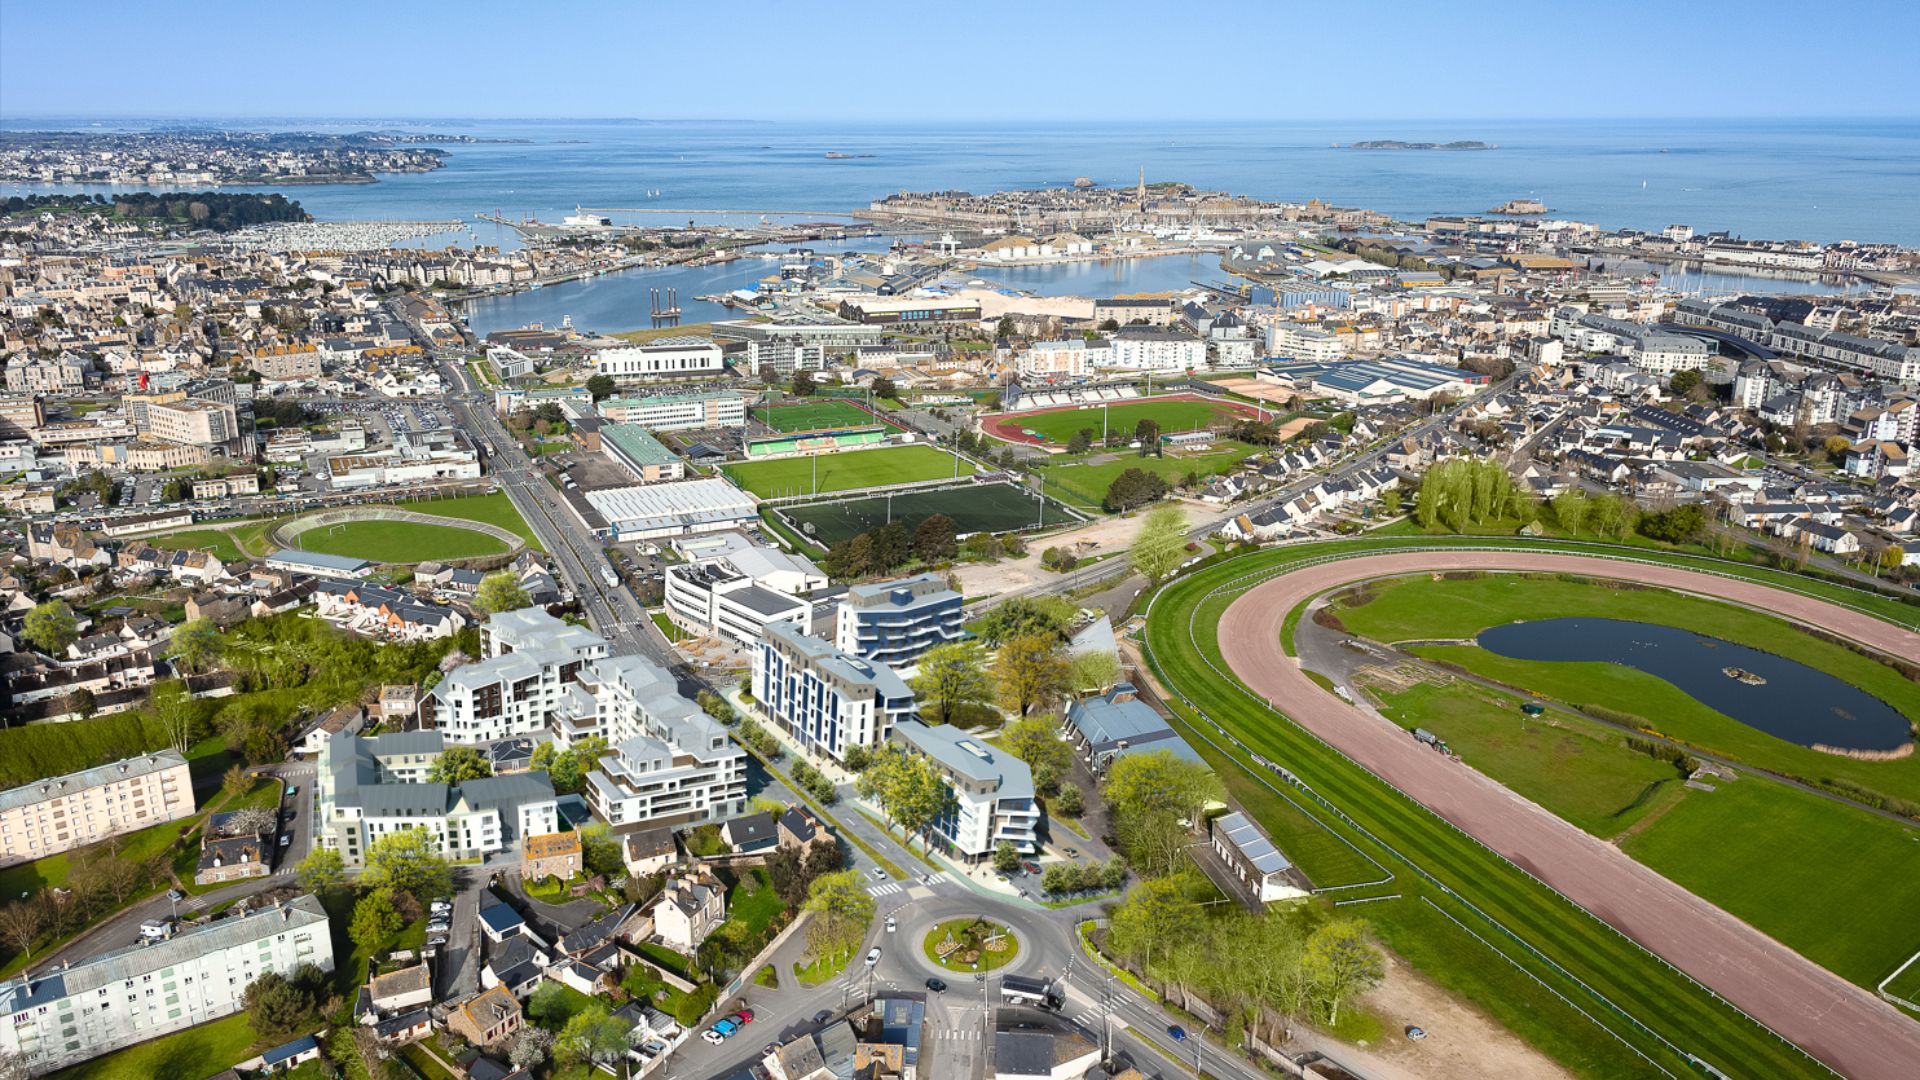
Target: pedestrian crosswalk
<point x="885" y="888"/>
<point x="958" y="1035"/>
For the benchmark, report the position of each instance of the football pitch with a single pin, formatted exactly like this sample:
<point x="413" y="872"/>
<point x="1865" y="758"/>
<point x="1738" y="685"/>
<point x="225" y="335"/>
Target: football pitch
<point x="1172" y="415"/>
<point x="815" y="416"/>
<point x="973" y="508"/>
<point x="844" y="471"/>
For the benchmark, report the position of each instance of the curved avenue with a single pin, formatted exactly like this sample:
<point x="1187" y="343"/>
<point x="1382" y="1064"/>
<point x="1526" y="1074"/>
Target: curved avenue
<point x="1837" y="1022"/>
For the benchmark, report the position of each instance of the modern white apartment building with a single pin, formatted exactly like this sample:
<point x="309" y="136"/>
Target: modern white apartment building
<point x="993" y="797"/>
<point x="530" y="657"/>
<point x="370" y="788"/>
<point x="672" y="763"/>
<point x="824" y="698"/>
<point x="667" y="358"/>
<point x="1150" y="348"/>
<point x="1296" y="342"/>
<point x="1070" y="359"/>
<point x="61" y="813"/>
<point x="678" y="412"/>
<point x="896" y="622"/>
<point x="194" y="421"/>
<point x="64" y="1015"/>
<point x="714" y="598"/>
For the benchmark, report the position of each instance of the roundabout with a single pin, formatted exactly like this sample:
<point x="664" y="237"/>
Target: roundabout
<point x="970" y="944"/>
<point x="1499" y="865"/>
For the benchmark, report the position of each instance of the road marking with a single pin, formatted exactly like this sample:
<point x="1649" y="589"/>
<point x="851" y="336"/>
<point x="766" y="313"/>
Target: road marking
<point x="884" y="889"/>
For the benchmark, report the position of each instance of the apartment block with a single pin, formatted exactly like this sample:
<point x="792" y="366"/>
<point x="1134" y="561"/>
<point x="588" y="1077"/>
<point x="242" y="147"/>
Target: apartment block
<point x="826" y="699"/>
<point x="370" y="788"/>
<point x="65" y="1015"/>
<point x="530" y="657"/>
<point x="65" y="812"/>
<point x="993" y="798"/>
<point x="896" y="622"/>
<point x="20" y="414"/>
<point x="193" y="421"/>
<point x="672" y="763"/>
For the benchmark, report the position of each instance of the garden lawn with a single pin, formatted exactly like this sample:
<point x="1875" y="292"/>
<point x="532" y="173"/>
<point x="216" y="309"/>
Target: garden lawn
<point x="1837" y="884"/>
<point x="494" y="509"/>
<point x="400" y="541"/>
<point x="1581" y="771"/>
<point x="754" y="903"/>
<point x="1086" y="485"/>
<point x="958" y="929"/>
<point x="846" y="470"/>
<point x="192" y="1054"/>
<point x="820" y="971"/>
<point x="1172" y="416"/>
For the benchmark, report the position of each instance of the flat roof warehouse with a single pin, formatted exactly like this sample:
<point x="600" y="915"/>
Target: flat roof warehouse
<point x="690" y="506"/>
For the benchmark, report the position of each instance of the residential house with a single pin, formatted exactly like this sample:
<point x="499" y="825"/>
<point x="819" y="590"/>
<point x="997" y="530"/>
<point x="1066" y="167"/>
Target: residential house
<point x="488" y="1018"/>
<point x="557" y="855"/>
<point x="691" y="907"/>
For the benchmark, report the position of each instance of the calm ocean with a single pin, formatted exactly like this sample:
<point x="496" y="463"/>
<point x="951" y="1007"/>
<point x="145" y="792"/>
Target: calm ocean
<point x="1817" y="180"/>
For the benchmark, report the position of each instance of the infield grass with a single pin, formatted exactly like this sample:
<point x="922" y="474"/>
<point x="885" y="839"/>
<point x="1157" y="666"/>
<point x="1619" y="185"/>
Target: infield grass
<point x="1833" y="882"/>
<point x="494" y="508"/>
<point x="1439" y="870"/>
<point x="400" y="541"/>
<point x="845" y="471"/>
<point x="1579" y="770"/>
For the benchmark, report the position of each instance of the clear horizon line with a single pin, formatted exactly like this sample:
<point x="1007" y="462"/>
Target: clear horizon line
<point x="1019" y="121"/>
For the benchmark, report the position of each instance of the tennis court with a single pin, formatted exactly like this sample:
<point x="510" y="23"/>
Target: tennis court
<point x="973" y="508"/>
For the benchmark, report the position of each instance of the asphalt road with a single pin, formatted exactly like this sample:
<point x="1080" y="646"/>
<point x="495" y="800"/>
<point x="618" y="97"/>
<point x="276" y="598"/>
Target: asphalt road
<point x="1839" y="1023"/>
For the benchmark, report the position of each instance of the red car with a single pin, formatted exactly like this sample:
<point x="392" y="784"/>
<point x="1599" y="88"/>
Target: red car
<point x="743" y="1017"/>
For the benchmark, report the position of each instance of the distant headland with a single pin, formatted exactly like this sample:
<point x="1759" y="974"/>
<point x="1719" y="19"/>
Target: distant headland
<point x="1395" y="144"/>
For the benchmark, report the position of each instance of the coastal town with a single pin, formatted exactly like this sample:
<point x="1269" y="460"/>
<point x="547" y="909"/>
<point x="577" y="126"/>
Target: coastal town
<point x="788" y="693"/>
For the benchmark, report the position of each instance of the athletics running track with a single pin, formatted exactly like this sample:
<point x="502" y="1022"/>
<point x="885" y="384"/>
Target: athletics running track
<point x="1837" y="1022"/>
<point x="1007" y="427"/>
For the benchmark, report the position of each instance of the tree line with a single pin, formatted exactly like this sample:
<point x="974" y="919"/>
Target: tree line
<point x="220" y="211"/>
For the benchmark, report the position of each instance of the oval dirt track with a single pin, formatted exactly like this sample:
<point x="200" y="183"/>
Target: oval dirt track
<point x="1843" y="1025"/>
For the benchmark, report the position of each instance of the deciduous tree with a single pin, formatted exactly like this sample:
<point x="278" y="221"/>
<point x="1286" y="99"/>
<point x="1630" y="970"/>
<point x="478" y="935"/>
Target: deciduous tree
<point x="1029" y="670"/>
<point x="1341" y="962"/>
<point x="1161" y="544"/>
<point x="500" y="591"/>
<point x="842" y="910"/>
<point x="457" y="764"/>
<point x="51" y="626"/>
<point x="322" y="869"/>
<point x="952" y="677"/>
<point x="407" y="862"/>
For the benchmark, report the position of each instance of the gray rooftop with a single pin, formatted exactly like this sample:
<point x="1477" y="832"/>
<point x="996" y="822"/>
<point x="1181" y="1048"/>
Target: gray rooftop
<point x="72" y="783"/>
<point x="964" y="755"/>
<point x="1252" y="843"/>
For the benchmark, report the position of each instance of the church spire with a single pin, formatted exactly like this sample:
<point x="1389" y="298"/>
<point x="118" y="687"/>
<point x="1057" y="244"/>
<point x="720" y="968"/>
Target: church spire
<point x="1142" y="193"/>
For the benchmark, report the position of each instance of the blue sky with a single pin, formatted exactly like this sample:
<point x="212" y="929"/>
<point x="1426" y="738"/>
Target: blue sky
<point x="956" y="61"/>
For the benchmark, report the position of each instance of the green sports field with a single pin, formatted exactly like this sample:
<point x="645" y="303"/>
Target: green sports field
<point x="845" y="471"/>
<point x="1085" y="483"/>
<point x="494" y="508"/>
<point x="973" y="508"/>
<point x="1172" y="415"/>
<point x="815" y="416"/>
<point x="399" y="541"/>
<point x="1472" y="921"/>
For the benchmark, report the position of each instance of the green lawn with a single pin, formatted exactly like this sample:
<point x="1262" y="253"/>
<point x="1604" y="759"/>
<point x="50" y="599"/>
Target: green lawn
<point x="1086" y="484"/>
<point x="672" y="632"/>
<point x="664" y="957"/>
<point x="494" y="509"/>
<point x="754" y="903"/>
<point x="825" y="969"/>
<point x="1417" y="608"/>
<point x="815" y="416"/>
<point x="1172" y="416"/>
<point x="193" y="1054"/>
<point x="1444" y="879"/>
<point x="845" y="471"/>
<point x="1835" y="883"/>
<point x="1580" y="771"/>
<point x="968" y="939"/>
<point x="400" y="541"/>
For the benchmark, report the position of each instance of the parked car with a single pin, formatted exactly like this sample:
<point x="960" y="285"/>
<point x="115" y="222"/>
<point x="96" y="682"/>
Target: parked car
<point x="823" y="1016"/>
<point x="1416" y="1033"/>
<point x="743" y="1017"/>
